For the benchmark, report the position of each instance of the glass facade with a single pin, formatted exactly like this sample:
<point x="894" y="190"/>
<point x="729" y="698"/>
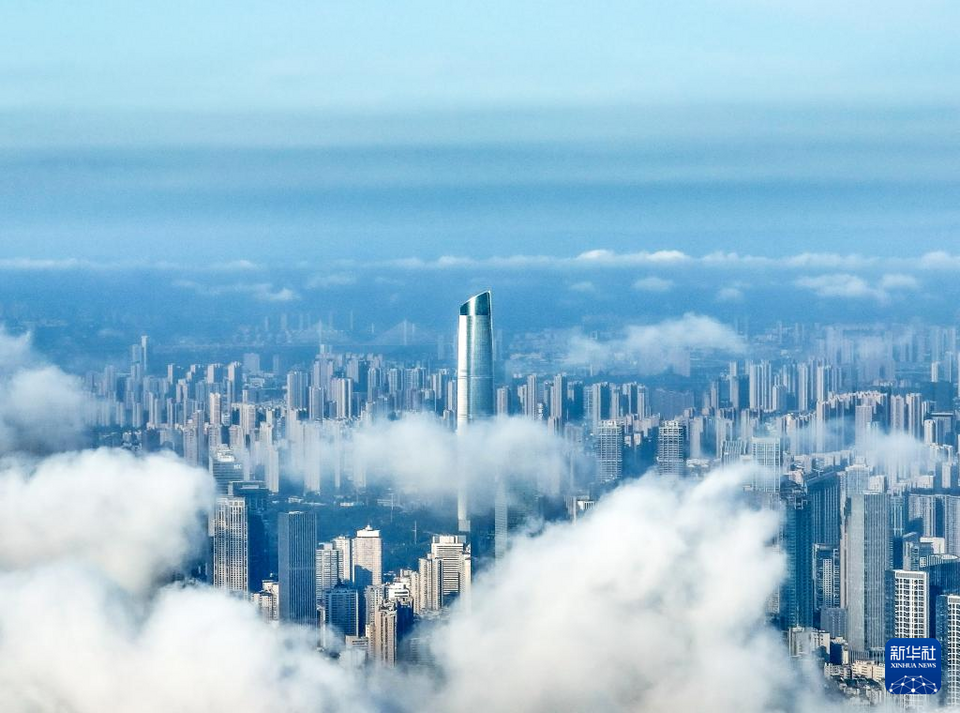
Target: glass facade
<point x="475" y="360"/>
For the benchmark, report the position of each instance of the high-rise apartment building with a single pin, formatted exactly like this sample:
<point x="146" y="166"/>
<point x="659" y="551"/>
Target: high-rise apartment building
<point x="230" y="544"/>
<point x="609" y="451"/>
<point x="948" y="634"/>
<point x="672" y="448"/>
<point x="367" y="558"/>
<point x="328" y="568"/>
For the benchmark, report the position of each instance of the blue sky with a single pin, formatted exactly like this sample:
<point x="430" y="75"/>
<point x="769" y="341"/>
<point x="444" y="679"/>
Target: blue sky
<point x="133" y="130"/>
<point x="375" y="57"/>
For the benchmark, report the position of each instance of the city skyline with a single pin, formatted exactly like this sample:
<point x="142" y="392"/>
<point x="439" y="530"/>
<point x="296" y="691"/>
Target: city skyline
<point x="541" y="357"/>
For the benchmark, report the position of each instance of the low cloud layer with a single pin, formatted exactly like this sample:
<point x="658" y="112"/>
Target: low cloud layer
<point x="938" y="260"/>
<point x="260" y="291"/>
<point x="654" y="601"/>
<point x="555" y="627"/>
<point x="597" y="617"/>
<point x="41" y="407"/>
<point x="418" y="454"/>
<point x="74" y="642"/>
<point x="133" y="519"/>
<point x="653" y="347"/>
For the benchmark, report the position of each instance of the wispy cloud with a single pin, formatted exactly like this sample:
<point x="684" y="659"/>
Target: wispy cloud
<point x="595" y="259"/>
<point x="331" y="280"/>
<point x="847" y="285"/>
<point x="653" y="347"/>
<point x="653" y="284"/>
<point x="731" y="293"/>
<point x="584" y="286"/>
<point x="78" y="265"/>
<point x="261" y="291"/>
<point x="677" y="260"/>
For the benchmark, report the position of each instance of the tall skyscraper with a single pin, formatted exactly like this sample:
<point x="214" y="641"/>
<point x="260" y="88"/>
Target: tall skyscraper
<point x="864" y="558"/>
<point x="767" y="457"/>
<point x="344" y="545"/>
<point x="145" y="354"/>
<point x="609" y="451"/>
<point x="387" y="625"/>
<point x="797" y="591"/>
<point x="906" y="597"/>
<point x="558" y="399"/>
<point x="230" y="544"/>
<point x="824" y="494"/>
<point x="475" y="360"/>
<point x="255" y="496"/>
<point x="474" y="378"/>
<point x="342" y="397"/>
<point x="297" y="564"/>
<point x="671" y="448"/>
<point x="367" y="558"/>
<point x="456" y="568"/>
<point x="826" y="574"/>
<point x="341" y="607"/>
<point x="297" y="382"/>
<point x="328" y="569"/>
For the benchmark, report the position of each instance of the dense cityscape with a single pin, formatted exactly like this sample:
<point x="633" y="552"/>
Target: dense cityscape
<point x="846" y="433"/>
<point x="486" y="357"/>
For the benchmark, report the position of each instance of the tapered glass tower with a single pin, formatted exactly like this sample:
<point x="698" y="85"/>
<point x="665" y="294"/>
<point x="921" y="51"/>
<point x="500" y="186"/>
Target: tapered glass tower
<point x="475" y="360"/>
<point x="474" y="377"/>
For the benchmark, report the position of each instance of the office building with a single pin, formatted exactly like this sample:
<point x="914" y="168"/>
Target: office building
<point x="297" y="537"/>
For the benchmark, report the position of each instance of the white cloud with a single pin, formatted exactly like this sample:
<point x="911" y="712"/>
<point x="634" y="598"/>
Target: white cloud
<point x="653" y="284"/>
<point x="609" y="257"/>
<point x="677" y="260"/>
<point x="584" y="287"/>
<point x="338" y="279"/>
<point x="730" y="294"/>
<point x="78" y="635"/>
<point x="265" y="292"/>
<point x="582" y="618"/>
<point x="847" y="285"/>
<point x="134" y="519"/>
<point x="939" y="260"/>
<point x="894" y="452"/>
<point x="651" y="348"/>
<point x="417" y="453"/>
<point x="72" y="642"/>
<point x="261" y="291"/>
<point x="41" y="407"/>
<point x="841" y="285"/>
<point x="899" y="281"/>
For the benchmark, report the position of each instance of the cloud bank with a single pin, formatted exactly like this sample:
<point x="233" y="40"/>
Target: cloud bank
<point x="418" y="454"/>
<point x="555" y="627"/>
<point x="585" y="617"/>
<point x="133" y="519"/>
<point x="653" y="347"/>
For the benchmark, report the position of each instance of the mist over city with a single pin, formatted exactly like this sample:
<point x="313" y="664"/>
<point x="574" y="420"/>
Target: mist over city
<point x="539" y="358"/>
